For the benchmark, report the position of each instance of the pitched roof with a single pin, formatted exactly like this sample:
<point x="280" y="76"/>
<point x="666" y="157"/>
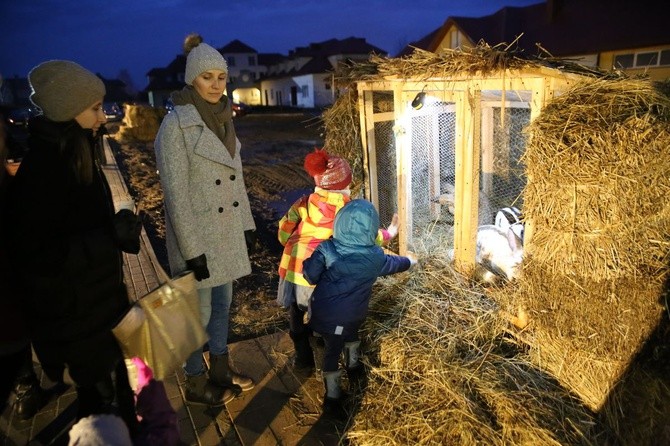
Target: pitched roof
<point x="565" y="27"/>
<point x="350" y="45"/>
<point x="237" y="46"/>
<point x="268" y="59"/>
<point x="423" y="43"/>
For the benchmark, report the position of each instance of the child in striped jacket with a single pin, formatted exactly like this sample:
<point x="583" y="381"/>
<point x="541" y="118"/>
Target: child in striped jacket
<point x="308" y="222"/>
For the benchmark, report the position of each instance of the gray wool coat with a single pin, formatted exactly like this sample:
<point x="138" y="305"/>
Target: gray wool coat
<point x="205" y="199"/>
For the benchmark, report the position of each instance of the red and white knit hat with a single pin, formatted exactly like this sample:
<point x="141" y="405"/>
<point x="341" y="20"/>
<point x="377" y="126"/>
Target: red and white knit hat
<point x="329" y="172"/>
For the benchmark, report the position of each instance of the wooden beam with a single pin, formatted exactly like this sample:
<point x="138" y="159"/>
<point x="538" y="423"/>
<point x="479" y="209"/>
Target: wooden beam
<point x="365" y="106"/>
<point x="404" y="167"/>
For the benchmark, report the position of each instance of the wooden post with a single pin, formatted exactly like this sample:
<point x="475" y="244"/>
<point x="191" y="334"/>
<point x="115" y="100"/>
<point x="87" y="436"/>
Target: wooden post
<point x="467" y="179"/>
<point x="487" y="149"/>
<point x="367" y="123"/>
<point x="404" y="166"/>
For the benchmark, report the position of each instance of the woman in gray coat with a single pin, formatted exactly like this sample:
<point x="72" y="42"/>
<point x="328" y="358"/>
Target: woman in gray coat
<point x="207" y="211"/>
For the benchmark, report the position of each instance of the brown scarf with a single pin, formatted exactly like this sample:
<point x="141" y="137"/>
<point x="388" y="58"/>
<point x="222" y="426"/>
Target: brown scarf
<point x="218" y="117"/>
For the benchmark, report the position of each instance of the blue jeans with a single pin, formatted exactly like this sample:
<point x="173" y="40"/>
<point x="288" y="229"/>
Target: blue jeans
<point x="214" y="311"/>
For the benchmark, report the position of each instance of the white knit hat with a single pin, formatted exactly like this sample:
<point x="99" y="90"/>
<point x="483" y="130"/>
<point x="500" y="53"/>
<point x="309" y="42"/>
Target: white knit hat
<point x="203" y="58"/>
<point x="100" y="430"/>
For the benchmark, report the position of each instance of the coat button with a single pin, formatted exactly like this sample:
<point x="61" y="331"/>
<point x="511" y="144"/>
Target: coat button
<point x="235" y="203"/>
<point x="220" y="210"/>
<point x="217" y="182"/>
<point x="232" y="178"/>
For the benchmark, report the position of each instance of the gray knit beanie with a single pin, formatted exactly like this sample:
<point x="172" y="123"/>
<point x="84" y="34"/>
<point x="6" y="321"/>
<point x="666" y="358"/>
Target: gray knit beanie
<point x="202" y="58"/>
<point x="63" y="89"/>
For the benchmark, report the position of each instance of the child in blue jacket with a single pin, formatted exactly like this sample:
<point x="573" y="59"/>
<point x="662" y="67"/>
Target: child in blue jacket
<point x="344" y="268"/>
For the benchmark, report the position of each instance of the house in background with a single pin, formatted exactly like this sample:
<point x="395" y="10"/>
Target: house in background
<point x="14" y="92"/>
<point x="301" y="79"/>
<point x="245" y="67"/>
<point x="305" y="77"/>
<point x="624" y="35"/>
<point x="163" y="81"/>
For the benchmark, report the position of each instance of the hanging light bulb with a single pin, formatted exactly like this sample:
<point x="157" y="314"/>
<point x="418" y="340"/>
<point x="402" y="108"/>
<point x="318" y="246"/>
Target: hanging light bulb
<point x="417" y="103"/>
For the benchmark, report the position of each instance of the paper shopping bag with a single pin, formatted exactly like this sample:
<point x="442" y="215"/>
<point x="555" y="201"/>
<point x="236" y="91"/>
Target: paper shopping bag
<point x="163" y="327"/>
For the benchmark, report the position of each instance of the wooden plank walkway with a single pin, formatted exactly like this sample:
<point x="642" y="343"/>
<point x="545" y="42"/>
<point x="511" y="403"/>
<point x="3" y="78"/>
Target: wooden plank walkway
<point x="283" y="408"/>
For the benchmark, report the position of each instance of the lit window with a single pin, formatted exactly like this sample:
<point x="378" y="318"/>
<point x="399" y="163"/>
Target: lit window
<point x="455" y="41"/>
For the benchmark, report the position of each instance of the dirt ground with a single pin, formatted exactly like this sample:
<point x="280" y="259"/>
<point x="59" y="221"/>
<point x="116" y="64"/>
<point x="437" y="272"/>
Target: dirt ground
<point x="273" y="150"/>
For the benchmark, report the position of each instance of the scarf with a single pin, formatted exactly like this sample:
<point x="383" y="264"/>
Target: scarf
<point x="217" y="117"/>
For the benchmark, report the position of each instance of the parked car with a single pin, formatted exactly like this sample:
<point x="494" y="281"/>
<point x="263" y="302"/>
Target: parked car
<point x="240" y="109"/>
<point x="113" y="111"/>
<point x="19" y="116"/>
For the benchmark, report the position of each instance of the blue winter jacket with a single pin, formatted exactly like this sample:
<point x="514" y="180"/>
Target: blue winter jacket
<point x="344" y="269"/>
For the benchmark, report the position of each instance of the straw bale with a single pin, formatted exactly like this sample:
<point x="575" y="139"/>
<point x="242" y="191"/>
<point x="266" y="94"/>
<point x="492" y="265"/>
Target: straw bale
<point x="599" y="175"/>
<point x="343" y="135"/>
<point x="585" y="333"/>
<point x="140" y="123"/>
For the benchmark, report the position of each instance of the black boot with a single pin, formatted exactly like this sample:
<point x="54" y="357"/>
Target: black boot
<point x="221" y="374"/>
<point x="199" y="390"/>
<point x="303" y="361"/>
<point x="30" y="397"/>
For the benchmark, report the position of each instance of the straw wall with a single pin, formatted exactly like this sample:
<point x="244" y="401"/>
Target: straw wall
<point x="593" y="282"/>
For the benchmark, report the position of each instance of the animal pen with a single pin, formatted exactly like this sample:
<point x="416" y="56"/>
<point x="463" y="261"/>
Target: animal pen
<point x="585" y="156"/>
<point x="449" y="162"/>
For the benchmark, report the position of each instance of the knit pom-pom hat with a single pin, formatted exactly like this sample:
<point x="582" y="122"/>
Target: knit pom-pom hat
<point x="200" y="58"/>
<point x="329" y="172"/>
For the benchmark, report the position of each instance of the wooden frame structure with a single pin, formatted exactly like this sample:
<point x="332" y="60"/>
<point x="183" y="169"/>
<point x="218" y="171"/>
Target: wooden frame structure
<point x="474" y="97"/>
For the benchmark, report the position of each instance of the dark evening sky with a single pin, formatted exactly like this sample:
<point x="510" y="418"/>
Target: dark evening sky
<point x="137" y="35"/>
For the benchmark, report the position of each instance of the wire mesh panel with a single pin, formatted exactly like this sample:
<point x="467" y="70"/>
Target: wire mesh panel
<point x="387" y="179"/>
<point x="503" y="143"/>
<point x="432" y="139"/>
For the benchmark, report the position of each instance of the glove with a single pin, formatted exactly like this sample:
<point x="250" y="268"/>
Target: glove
<point x="252" y="240"/>
<point x="393" y="227"/>
<point x="127" y="229"/>
<point x="199" y="267"/>
<point x="413" y="261"/>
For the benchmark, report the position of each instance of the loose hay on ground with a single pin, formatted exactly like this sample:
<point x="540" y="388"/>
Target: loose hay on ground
<point x="445" y="372"/>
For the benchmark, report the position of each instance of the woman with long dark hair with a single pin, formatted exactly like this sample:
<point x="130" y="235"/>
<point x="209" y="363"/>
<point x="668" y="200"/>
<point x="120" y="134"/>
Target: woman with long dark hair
<point x="66" y="241"/>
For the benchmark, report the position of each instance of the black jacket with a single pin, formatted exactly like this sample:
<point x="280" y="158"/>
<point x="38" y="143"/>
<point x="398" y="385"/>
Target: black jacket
<point x="61" y="244"/>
